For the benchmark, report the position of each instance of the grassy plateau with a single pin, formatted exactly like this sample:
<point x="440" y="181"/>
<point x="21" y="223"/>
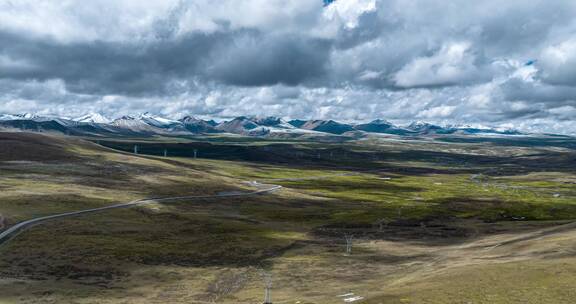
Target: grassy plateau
<point x="434" y="220"/>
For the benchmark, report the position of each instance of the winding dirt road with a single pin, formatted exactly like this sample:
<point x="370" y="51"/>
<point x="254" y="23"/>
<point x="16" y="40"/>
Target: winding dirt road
<point x="13" y="231"/>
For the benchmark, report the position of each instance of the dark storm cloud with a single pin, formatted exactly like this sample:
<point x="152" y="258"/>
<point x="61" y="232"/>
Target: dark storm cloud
<point x="246" y="58"/>
<point x="517" y="90"/>
<point x="256" y="60"/>
<point x="393" y="50"/>
<point x="104" y="67"/>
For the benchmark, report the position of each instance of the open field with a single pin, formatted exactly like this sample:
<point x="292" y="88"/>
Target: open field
<point x="450" y="220"/>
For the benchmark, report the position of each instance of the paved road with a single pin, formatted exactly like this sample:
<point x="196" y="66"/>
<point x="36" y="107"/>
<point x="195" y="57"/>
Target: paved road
<point x="13" y="231"/>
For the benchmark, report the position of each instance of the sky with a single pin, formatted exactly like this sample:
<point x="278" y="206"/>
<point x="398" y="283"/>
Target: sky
<point x="499" y="63"/>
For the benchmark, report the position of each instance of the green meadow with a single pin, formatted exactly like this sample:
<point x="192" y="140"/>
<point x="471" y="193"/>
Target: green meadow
<point x="434" y="221"/>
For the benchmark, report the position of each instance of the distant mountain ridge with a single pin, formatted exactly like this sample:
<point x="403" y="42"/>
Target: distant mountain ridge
<point x="147" y="124"/>
<point x="93" y="118"/>
<point x="196" y="125"/>
<point x="327" y="126"/>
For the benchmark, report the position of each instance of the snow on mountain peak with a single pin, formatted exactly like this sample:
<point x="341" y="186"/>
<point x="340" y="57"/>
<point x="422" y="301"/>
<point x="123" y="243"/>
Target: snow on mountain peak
<point x="380" y="122"/>
<point x="93" y="118"/>
<point x="156" y="120"/>
<point x="418" y="125"/>
<point x="26" y="116"/>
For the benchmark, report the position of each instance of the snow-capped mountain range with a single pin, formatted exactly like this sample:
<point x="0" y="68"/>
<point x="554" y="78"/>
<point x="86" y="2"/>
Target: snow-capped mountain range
<point x="147" y="124"/>
<point x="93" y="118"/>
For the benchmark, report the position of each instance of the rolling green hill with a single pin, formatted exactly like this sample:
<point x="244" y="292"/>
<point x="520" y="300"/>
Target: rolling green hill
<point x="433" y="221"/>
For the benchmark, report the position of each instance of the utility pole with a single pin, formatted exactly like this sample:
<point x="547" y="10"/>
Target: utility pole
<point x="382" y="223"/>
<point x="195" y="153"/>
<point x="349" y="242"/>
<point x="135" y="149"/>
<point x="267" y="277"/>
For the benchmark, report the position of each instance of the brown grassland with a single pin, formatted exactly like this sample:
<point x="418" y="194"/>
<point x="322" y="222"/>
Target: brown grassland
<point x="434" y="221"/>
